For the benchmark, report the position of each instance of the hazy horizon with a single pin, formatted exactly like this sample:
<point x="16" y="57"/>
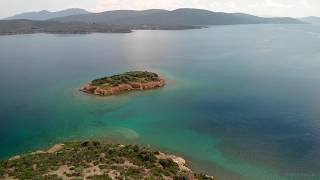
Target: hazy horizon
<point x="267" y="8"/>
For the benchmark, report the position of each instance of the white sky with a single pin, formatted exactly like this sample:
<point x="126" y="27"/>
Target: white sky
<point x="293" y="8"/>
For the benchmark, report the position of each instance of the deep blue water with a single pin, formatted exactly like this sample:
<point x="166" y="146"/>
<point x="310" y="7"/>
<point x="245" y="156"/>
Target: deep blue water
<point x="241" y="101"/>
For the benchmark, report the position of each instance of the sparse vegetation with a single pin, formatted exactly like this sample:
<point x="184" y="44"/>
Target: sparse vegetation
<point x="125" y="82"/>
<point x="95" y="160"/>
<point x="133" y="76"/>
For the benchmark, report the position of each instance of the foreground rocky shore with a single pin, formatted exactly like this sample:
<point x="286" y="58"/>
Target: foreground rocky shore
<point x="95" y="160"/>
<point x="129" y="81"/>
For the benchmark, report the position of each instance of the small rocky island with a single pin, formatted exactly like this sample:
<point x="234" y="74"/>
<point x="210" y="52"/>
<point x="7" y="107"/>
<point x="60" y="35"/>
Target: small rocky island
<point x="121" y="83"/>
<point x="98" y="161"/>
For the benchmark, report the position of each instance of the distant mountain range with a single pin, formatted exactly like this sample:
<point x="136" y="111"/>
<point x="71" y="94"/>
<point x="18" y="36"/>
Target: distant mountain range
<point x="311" y="19"/>
<point x="67" y="21"/>
<point x="152" y="17"/>
<point x="159" y="17"/>
<point x="45" y="15"/>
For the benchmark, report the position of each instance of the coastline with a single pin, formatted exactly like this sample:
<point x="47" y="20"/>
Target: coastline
<point x="93" y="159"/>
<point x="122" y="88"/>
<point x="122" y="83"/>
<point x="24" y="26"/>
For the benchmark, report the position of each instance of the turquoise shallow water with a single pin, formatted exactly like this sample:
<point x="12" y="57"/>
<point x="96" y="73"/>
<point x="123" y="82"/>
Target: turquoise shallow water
<point x="241" y="101"/>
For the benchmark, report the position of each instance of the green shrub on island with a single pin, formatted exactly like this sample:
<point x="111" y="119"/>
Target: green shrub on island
<point x="96" y="161"/>
<point x="133" y="76"/>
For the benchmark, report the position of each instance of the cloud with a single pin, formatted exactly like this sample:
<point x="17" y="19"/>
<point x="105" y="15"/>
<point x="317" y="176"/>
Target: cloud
<point x="294" y="8"/>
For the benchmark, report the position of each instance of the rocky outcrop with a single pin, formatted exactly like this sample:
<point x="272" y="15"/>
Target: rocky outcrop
<point x="122" y="88"/>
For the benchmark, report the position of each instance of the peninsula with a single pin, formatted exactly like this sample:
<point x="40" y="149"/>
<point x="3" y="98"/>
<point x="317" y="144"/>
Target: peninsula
<point x="96" y="160"/>
<point x="13" y="27"/>
<point x="121" y="83"/>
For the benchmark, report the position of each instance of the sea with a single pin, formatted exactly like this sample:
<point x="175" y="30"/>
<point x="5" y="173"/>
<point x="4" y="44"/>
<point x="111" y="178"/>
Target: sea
<point x="241" y="101"/>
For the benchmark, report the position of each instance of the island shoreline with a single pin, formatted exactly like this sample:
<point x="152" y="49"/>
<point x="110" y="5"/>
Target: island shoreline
<point x="125" y="85"/>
